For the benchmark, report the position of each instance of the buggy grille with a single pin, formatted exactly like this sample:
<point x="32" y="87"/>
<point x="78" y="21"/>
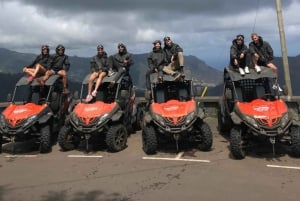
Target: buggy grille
<point x="174" y="120"/>
<point x="269" y="122"/>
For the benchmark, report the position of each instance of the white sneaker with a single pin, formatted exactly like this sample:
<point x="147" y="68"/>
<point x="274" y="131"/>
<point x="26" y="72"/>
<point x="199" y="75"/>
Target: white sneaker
<point x="111" y="73"/>
<point x="276" y="86"/>
<point x="88" y="98"/>
<point x="94" y="93"/>
<point x="257" y="68"/>
<point x="242" y="72"/>
<point x="247" y="69"/>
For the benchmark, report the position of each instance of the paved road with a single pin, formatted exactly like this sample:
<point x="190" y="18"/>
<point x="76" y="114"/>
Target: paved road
<point x="131" y="175"/>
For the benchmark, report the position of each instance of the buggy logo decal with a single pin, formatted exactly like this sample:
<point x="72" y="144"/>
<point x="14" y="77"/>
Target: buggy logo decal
<point x="19" y="111"/>
<point x="261" y="108"/>
<point x="171" y="108"/>
<point x="89" y="109"/>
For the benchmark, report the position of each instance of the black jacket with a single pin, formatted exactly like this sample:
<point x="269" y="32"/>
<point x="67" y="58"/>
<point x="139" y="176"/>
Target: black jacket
<point x="263" y="49"/>
<point x="117" y="60"/>
<point x="43" y="60"/>
<point x="236" y="50"/>
<point x="59" y="62"/>
<point x="156" y="59"/>
<point x="99" y="62"/>
<point x="172" y="51"/>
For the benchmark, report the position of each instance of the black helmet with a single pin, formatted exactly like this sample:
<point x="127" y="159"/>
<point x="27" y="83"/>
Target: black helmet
<point x="157" y="41"/>
<point x="100" y="46"/>
<point x="45" y="47"/>
<point x="121" y="45"/>
<point x="240" y="36"/>
<point x="60" y="47"/>
<point x="167" y="38"/>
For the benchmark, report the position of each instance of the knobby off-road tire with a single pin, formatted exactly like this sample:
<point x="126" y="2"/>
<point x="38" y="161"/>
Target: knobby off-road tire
<point x="206" y="138"/>
<point x="223" y="126"/>
<point x="67" y="139"/>
<point x="45" y="139"/>
<point x="295" y="141"/>
<point x="116" y="138"/>
<point x="149" y="140"/>
<point x="139" y="119"/>
<point x="236" y="143"/>
<point x="1" y="141"/>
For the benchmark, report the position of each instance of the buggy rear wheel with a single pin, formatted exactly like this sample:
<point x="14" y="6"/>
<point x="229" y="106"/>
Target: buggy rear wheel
<point x="67" y="139"/>
<point x="116" y="137"/>
<point x="149" y="140"/>
<point x="295" y="141"/>
<point x="45" y="139"/>
<point x="236" y="143"/>
<point x="204" y="137"/>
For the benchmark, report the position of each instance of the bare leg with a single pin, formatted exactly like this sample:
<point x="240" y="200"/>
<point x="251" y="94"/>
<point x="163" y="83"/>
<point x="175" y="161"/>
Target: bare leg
<point x="93" y="76"/>
<point x="38" y="69"/>
<point x="99" y="80"/>
<point x="273" y="67"/>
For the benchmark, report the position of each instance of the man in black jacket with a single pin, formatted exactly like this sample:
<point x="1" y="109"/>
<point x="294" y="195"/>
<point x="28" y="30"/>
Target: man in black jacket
<point x="99" y="69"/>
<point x="40" y="65"/>
<point x="238" y="55"/>
<point x="59" y="65"/>
<point x="261" y="53"/>
<point x="120" y="62"/>
<point x="174" y="55"/>
<point x="156" y="61"/>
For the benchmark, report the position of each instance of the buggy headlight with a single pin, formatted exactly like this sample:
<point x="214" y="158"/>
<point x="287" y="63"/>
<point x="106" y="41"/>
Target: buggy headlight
<point x="30" y="120"/>
<point x="284" y="119"/>
<point x="102" y="118"/>
<point x="251" y="121"/>
<point x="189" y="117"/>
<point x="159" y="119"/>
<point x="74" y="118"/>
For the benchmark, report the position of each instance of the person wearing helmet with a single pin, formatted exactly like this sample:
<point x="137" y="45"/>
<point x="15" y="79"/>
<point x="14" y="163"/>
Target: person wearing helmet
<point x="40" y="65"/>
<point x="156" y="61"/>
<point x="174" y="54"/>
<point x="99" y="69"/>
<point x="120" y="62"/>
<point x="59" y="65"/>
<point x="238" y="55"/>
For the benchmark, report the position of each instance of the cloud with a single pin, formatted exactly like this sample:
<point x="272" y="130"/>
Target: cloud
<point x="203" y="28"/>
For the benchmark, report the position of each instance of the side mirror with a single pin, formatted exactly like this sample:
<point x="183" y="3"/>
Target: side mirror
<point x="8" y="98"/>
<point x="125" y="94"/>
<point x="148" y="95"/>
<point x="285" y="90"/>
<point x="76" y="95"/>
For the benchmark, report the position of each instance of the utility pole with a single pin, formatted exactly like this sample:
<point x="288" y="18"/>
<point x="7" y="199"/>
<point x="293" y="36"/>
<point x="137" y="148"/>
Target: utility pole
<point x="283" y="49"/>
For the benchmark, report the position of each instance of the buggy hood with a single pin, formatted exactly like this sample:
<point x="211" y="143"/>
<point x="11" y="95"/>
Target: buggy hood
<point x="88" y="112"/>
<point x="15" y="114"/>
<point x="174" y="108"/>
<point x="265" y="110"/>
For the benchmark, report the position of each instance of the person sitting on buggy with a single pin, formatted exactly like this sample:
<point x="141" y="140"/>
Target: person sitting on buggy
<point x="120" y="62"/>
<point x="99" y="69"/>
<point x="175" y="59"/>
<point x="156" y="61"/>
<point x="238" y="55"/>
<point x="59" y="65"/>
<point x="40" y="65"/>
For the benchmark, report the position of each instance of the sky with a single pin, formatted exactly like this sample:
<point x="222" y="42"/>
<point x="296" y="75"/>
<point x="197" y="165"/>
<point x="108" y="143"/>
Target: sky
<point x="203" y="28"/>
